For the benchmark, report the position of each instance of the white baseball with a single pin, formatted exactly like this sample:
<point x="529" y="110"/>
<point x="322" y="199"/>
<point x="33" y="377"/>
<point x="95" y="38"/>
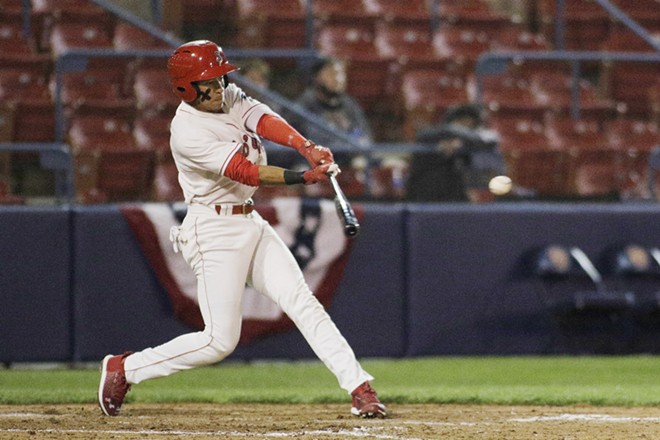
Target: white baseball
<point x="500" y="185"/>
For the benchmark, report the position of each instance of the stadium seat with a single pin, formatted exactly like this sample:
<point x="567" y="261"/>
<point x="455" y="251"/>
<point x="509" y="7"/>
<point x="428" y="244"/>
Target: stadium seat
<point x="153" y="93"/>
<point x="388" y="181"/>
<point x="644" y="12"/>
<point x="12" y="40"/>
<point x="125" y="175"/>
<point x="36" y="65"/>
<point x="368" y="75"/>
<point x="636" y="138"/>
<point x="426" y="96"/>
<point x="595" y="168"/>
<point x="512" y="38"/>
<point x="413" y="12"/>
<point x="166" y="185"/>
<point x="473" y="15"/>
<point x="555" y="90"/>
<point x="628" y="83"/>
<point x="510" y="96"/>
<point x="531" y="162"/>
<point x="107" y="162"/>
<point x="263" y="23"/>
<point x="66" y="36"/>
<point x="34" y="121"/>
<point x="409" y="46"/>
<point x="153" y="133"/>
<point x="461" y="44"/>
<point x="586" y="23"/>
<point x="88" y="133"/>
<point x="75" y="26"/>
<point x="341" y="11"/>
<point x="129" y="37"/>
<point x="23" y="85"/>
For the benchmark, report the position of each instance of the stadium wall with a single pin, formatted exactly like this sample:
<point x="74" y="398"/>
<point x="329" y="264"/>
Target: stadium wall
<point x="422" y="280"/>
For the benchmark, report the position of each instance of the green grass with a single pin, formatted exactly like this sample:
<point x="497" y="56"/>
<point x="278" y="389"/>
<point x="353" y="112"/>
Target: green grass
<point x="625" y="381"/>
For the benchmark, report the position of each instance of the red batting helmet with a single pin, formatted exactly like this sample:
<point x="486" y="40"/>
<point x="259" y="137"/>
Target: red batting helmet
<point x="196" y="61"/>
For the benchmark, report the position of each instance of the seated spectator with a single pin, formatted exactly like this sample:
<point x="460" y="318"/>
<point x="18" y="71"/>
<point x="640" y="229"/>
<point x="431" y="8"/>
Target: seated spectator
<point x="462" y="157"/>
<point x="257" y="71"/>
<point x="326" y="97"/>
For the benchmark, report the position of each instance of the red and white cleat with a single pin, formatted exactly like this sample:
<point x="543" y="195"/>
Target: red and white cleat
<point x="113" y="386"/>
<point x="366" y="403"/>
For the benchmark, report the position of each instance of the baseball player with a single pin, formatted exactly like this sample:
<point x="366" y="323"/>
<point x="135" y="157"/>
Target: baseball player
<point x="215" y="141"/>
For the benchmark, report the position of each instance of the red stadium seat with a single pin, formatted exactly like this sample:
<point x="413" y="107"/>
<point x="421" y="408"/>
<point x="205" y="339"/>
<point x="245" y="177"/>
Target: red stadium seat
<point x="409" y="46"/>
<point x="6" y="122"/>
<point x="629" y="83"/>
<point x="89" y="17"/>
<point x="153" y="93"/>
<point x="636" y="138"/>
<point x="34" y="121"/>
<point x="555" y="90"/>
<point x="263" y="23"/>
<point x="595" y="168"/>
<point x="586" y="23"/>
<point x="153" y="133"/>
<point x="12" y="40"/>
<point x="411" y="11"/>
<point x="166" y="184"/>
<point x="511" y="96"/>
<point x="125" y="175"/>
<point x="341" y="11"/>
<point x="129" y="37"/>
<point x="108" y="165"/>
<point x="23" y="85"/>
<point x="100" y="133"/>
<point x="644" y="12"/>
<point x="368" y="75"/>
<point x="461" y="44"/>
<point x="426" y="96"/>
<point x="66" y="36"/>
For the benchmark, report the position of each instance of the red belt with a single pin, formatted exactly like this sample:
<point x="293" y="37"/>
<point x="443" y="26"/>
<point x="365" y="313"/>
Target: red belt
<point x="244" y="209"/>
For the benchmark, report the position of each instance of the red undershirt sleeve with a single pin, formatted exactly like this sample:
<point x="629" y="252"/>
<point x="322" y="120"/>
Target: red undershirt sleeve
<point x="242" y="170"/>
<point x="278" y="130"/>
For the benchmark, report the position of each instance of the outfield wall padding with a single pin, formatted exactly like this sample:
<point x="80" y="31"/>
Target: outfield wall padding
<point x="422" y="280"/>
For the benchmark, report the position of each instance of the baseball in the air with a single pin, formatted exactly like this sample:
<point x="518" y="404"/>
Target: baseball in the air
<point x="500" y="185"/>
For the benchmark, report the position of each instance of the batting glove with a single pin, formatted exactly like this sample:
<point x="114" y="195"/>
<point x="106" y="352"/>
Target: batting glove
<point x="320" y="173"/>
<point x="316" y="154"/>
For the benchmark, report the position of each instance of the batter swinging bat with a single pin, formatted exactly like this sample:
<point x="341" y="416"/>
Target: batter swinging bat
<point x="345" y="211"/>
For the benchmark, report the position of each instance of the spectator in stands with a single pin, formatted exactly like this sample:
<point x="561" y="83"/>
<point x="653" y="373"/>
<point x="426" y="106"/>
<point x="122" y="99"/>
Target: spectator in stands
<point x="462" y="157"/>
<point x="257" y="71"/>
<point x="327" y="98"/>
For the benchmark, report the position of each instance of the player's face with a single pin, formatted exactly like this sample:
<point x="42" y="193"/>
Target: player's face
<point x="210" y="95"/>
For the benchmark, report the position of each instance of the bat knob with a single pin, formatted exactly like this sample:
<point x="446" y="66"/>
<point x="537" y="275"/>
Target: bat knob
<point x="351" y="230"/>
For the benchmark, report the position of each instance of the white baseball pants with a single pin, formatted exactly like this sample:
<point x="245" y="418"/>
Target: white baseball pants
<point x="226" y="252"/>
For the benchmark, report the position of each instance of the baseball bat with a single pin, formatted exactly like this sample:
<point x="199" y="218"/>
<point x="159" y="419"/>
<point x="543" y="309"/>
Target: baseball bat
<point x="345" y="210"/>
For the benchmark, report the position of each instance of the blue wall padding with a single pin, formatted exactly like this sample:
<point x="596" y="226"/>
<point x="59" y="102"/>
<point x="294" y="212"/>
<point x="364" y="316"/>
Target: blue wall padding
<point x="35" y="271"/>
<point x="119" y="304"/>
<point x="470" y="289"/>
<point x="443" y="279"/>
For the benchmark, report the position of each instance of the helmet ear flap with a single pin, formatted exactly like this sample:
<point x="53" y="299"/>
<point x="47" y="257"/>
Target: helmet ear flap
<point x="186" y="92"/>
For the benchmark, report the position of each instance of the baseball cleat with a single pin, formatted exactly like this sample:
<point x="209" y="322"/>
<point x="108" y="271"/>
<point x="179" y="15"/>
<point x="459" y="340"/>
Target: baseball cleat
<point x="113" y="386"/>
<point x="366" y="403"/>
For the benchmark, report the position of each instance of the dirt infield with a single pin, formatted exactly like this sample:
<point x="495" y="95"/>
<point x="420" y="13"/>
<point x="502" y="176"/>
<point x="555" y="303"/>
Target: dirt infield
<point x="262" y="421"/>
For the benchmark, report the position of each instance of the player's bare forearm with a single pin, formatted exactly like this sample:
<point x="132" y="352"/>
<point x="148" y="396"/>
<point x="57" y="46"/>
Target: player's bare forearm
<point x="271" y="175"/>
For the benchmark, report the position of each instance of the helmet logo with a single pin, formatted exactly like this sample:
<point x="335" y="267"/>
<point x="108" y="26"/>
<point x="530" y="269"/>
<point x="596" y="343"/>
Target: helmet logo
<point x="220" y="57"/>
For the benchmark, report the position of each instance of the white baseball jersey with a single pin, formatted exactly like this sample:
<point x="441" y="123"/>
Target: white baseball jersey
<point x="201" y="153"/>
